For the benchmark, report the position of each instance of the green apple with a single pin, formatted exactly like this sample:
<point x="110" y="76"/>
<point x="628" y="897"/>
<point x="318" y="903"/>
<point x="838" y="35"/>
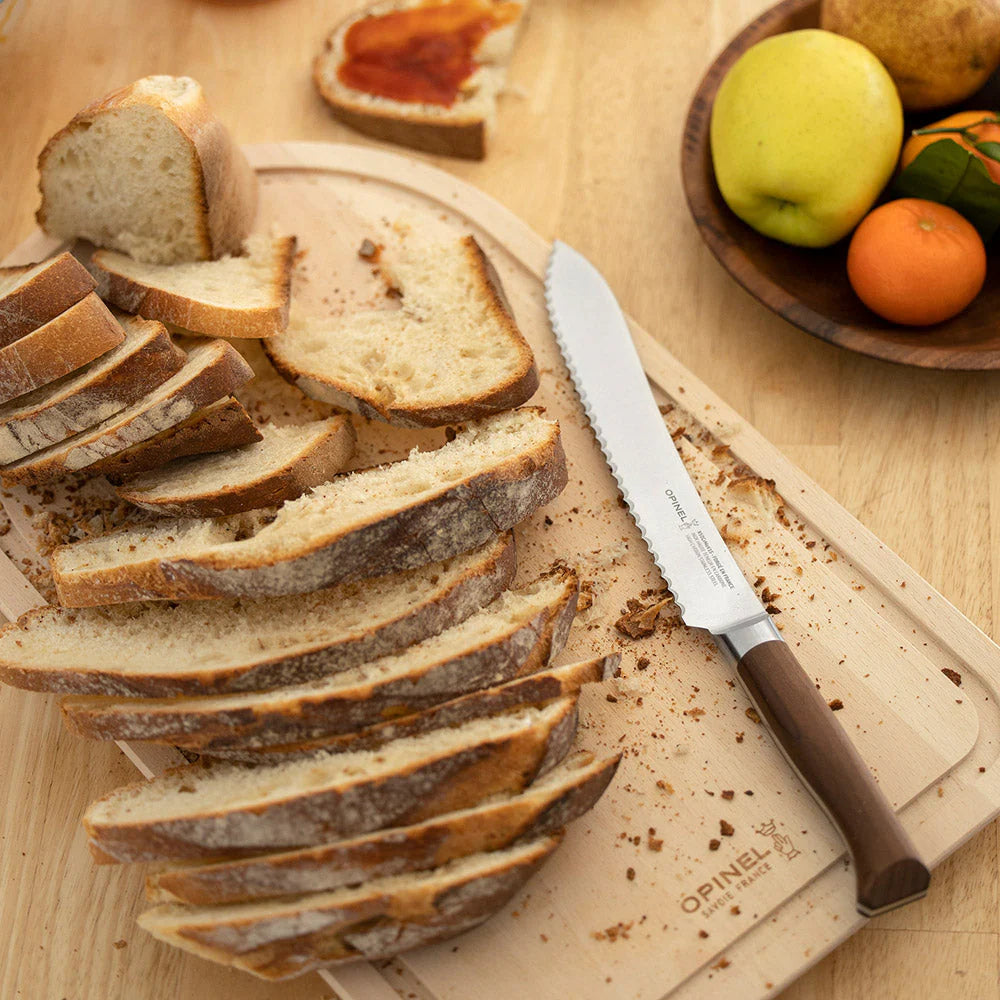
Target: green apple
<point x="806" y="130"/>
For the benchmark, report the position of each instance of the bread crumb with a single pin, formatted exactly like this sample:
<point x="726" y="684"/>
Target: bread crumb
<point x="726" y="829"/>
<point x="639" y="621"/>
<point x="835" y="704"/>
<point x="370" y="251"/>
<point x="614" y="932"/>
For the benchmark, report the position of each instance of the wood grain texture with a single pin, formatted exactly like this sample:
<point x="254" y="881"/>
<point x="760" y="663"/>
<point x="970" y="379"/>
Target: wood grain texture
<point x="912" y="454"/>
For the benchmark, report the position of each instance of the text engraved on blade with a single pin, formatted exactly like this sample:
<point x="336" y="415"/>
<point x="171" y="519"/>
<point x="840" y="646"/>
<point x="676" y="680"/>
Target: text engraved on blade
<point x="713" y="567"/>
<point x="700" y="545"/>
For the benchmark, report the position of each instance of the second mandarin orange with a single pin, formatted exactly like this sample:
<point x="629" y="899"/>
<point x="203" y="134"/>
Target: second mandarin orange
<point x="916" y="262"/>
<point x="983" y="133"/>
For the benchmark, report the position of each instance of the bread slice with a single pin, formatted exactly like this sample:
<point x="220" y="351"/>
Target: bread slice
<point x="569" y="790"/>
<point x="430" y="506"/>
<point x="220" y="426"/>
<point x="211" y="370"/>
<point x="518" y="633"/>
<point x="285" y="463"/>
<point x="278" y="939"/>
<point x="148" y="170"/>
<point x="64" y="344"/>
<point x="245" y="296"/>
<point x="202" y="811"/>
<point x="529" y="689"/>
<point x="145" y="359"/>
<point x="450" y="352"/>
<point x="452" y="124"/>
<point x="33" y="294"/>
<point x="204" y="647"/>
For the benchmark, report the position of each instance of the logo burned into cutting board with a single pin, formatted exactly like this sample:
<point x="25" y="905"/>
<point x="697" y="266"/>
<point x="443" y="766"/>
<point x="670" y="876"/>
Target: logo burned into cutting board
<point x="746" y="868"/>
<point x="781" y="843"/>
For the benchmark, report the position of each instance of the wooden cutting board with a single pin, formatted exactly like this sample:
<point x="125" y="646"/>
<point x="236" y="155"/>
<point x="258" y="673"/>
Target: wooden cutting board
<point x="637" y="903"/>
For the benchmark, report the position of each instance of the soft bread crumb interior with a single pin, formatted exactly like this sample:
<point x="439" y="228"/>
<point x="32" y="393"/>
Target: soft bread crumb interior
<point x="128" y="179"/>
<point x="511" y="611"/>
<point x="247" y="282"/>
<point x="326" y="511"/>
<point x="206" y="475"/>
<point x="156" y="638"/>
<point x="172" y="916"/>
<point x="574" y="770"/>
<point x="227" y="787"/>
<point x="446" y="341"/>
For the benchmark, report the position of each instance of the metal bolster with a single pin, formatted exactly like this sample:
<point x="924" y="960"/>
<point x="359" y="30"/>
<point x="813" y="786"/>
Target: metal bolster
<point x="736" y="642"/>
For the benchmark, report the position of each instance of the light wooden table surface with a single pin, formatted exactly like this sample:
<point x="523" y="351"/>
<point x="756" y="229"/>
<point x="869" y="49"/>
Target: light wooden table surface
<point x="589" y="152"/>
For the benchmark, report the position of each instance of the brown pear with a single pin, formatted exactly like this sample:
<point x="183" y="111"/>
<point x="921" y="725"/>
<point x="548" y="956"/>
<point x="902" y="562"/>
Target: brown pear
<point x="937" y="51"/>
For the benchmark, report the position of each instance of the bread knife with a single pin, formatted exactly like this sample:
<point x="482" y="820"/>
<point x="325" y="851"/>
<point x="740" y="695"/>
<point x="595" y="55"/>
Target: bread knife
<point x="709" y="588"/>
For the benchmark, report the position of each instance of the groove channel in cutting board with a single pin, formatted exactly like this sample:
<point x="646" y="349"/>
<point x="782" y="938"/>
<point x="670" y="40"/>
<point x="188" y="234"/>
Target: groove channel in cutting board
<point x="583" y="928"/>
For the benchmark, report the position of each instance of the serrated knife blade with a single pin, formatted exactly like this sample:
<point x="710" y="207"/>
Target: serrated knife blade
<point x="708" y="585"/>
<point x="701" y="573"/>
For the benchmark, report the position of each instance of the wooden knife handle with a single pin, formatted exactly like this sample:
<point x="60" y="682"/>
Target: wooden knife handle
<point x="889" y="870"/>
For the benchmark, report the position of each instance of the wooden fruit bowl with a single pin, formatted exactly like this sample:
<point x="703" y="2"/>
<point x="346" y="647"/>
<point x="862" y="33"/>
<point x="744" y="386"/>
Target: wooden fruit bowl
<point x="809" y="287"/>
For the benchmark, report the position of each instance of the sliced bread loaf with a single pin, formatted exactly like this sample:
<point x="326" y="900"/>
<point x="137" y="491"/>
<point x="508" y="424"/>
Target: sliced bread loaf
<point x="33" y="294"/>
<point x="202" y="647"/>
<point x="145" y="359"/>
<point x="285" y="463"/>
<point x="211" y="370"/>
<point x="279" y="939"/>
<point x="203" y="811"/>
<point x="529" y="689"/>
<point x="219" y="426"/>
<point x="492" y="475"/>
<point x="567" y="791"/>
<point x="245" y="296"/>
<point x="83" y="332"/>
<point x="150" y="171"/>
<point x="517" y="633"/>
<point x="369" y="76"/>
<point x="450" y="352"/>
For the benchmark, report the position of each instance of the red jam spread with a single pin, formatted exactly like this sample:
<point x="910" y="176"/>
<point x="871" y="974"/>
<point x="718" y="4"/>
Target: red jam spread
<point x="420" y="54"/>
